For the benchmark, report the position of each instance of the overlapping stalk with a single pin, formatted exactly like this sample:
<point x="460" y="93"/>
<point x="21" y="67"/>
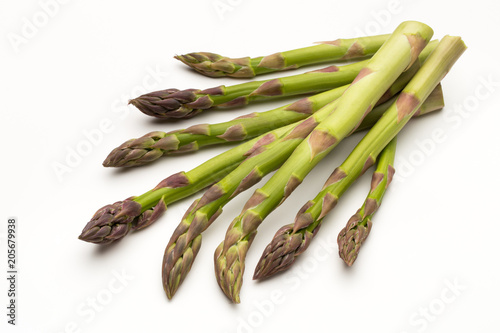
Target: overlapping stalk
<point x="396" y="55"/>
<point x="152" y="146"/>
<point x="292" y="240"/>
<point x="215" y="65"/>
<point x="359" y="225"/>
<point x="176" y="104"/>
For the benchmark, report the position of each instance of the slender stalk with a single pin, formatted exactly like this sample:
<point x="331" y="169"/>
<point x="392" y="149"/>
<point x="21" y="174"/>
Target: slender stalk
<point x="215" y="65"/>
<point x="177" y="104"/>
<point x="358" y="228"/>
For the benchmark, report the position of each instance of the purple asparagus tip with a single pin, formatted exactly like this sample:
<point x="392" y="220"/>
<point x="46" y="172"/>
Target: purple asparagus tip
<point x="170" y="104"/>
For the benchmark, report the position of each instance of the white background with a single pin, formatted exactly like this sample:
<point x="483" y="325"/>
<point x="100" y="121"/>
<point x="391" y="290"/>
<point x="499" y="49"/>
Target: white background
<point x="438" y="225"/>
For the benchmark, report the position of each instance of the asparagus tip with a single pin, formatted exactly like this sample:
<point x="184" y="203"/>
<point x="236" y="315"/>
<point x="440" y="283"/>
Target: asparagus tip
<point x="111" y="222"/>
<point x="352" y="236"/>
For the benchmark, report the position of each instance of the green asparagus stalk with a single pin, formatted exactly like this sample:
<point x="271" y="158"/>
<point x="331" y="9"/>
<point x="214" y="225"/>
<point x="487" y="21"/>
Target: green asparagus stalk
<point x="214" y="65"/>
<point x="288" y="243"/>
<point x="359" y="225"/>
<point x="173" y="103"/>
<point x="152" y="146"/>
<point x="396" y="55"/>
<point x="295" y="238"/>
<point x="186" y="239"/>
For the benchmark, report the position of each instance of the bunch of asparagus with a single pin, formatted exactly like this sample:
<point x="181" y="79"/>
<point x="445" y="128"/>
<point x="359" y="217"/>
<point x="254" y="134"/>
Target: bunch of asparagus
<point x="400" y="79"/>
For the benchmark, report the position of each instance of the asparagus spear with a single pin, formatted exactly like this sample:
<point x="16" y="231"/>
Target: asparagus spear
<point x="152" y="146"/>
<point x="359" y="225"/>
<point x="296" y="237"/>
<point x="215" y="65"/>
<point x="186" y="239"/>
<point x="396" y="55"/>
<point x="173" y="103"/>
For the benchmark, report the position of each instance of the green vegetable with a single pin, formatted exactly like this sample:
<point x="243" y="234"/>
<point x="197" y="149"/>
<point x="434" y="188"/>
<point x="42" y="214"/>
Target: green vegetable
<point x="176" y="104"/>
<point x="214" y="65"/>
